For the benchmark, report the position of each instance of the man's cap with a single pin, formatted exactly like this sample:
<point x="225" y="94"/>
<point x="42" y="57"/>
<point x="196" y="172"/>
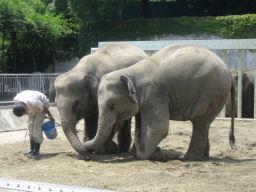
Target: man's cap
<point x="19" y="109"/>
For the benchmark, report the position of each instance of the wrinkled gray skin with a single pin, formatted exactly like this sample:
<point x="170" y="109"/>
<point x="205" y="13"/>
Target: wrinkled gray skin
<point x="247" y="94"/>
<point x="179" y="82"/>
<point x="76" y="94"/>
<point x="52" y="91"/>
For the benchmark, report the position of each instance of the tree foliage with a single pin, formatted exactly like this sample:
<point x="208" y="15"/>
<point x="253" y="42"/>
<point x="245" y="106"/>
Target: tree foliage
<point x="233" y="26"/>
<point x="221" y="7"/>
<point x="30" y="25"/>
<point x="85" y="9"/>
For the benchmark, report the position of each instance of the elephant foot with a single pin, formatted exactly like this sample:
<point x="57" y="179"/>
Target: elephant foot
<point x="133" y="150"/>
<point x="192" y="156"/>
<point x="110" y="148"/>
<point x="159" y="155"/>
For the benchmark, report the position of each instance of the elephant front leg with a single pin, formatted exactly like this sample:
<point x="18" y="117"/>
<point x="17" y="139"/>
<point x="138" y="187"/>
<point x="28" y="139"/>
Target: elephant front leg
<point x="199" y="146"/>
<point x="150" y="134"/>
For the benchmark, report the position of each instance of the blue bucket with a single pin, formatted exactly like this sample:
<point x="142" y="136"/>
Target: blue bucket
<point x="49" y="130"/>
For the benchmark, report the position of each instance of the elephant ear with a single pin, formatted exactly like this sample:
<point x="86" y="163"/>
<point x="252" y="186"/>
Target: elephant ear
<point x="130" y="86"/>
<point x="92" y="83"/>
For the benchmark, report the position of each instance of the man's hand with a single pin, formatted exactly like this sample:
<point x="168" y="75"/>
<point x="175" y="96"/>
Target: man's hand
<point x="51" y="119"/>
<point x="46" y="110"/>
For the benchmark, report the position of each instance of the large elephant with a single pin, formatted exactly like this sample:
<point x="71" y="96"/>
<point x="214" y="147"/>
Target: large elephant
<point x="179" y="82"/>
<point x="247" y="94"/>
<point x="76" y="93"/>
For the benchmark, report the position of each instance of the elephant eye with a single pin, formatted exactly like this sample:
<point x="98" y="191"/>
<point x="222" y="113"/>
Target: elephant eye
<point x="74" y="107"/>
<point x="112" y="106"/>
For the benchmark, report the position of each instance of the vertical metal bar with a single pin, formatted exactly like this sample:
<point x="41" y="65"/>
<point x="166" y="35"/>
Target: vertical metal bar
<point x="16" y="84"/>
<point x="254" y="86"/>
<point x="239" y="99"/>
<point x="40" y="86"/>
<point x="224" y="58"/>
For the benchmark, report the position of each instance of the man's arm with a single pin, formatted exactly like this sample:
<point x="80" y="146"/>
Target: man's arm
<point x="46" y="110"/>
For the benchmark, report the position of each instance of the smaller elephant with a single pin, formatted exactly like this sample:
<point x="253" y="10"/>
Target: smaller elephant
<point x="179" y="82"/>
<point x="247" y="94"/>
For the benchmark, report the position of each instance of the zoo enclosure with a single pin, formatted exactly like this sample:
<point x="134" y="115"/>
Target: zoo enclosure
<point x="223" y="45"/>
<point x="11" y="84"/>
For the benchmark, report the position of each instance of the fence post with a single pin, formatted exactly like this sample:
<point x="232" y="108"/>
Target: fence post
<point x="254" y="85"/>
<point x="224" y="58"/>
<point x="239" y="99"/>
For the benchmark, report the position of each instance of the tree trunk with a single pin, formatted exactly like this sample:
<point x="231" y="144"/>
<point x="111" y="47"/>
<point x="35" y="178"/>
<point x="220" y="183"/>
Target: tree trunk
<point x="54" y="60"/>
<point x="120" y="14"/>
<point x="2" y="60"/>
<point x="14" y="48"/>
<point x="33" y="55"/>
<point x="145" y="9"/>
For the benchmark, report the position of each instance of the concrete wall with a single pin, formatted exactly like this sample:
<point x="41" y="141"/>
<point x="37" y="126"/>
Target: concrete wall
<point x="9" y="122"/>
<point x="232" y="55"/>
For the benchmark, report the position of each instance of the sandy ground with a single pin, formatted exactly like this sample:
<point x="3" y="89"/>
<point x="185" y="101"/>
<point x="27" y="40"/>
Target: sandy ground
<point x="225" y="170"/>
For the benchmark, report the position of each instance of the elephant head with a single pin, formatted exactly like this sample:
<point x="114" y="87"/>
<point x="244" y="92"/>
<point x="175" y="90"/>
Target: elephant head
<point x="75" y="96"/>
<point x="117" y="102"/>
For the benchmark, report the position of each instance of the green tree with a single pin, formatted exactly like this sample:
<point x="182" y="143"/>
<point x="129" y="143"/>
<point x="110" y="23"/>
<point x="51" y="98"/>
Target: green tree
<point x="28" y="24"/>
<point x="85" y="9"/>
<point x="12" y="21"/>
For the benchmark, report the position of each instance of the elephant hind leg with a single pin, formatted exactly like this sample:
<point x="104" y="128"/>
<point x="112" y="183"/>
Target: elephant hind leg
<point x="199" y="145"/>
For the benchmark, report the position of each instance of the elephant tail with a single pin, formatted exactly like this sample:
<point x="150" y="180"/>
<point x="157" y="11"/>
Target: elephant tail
<point x="232" y="139"/>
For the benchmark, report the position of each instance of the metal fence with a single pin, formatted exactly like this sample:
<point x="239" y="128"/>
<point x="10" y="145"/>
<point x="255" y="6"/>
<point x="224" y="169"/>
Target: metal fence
<point x="11" y="84"/>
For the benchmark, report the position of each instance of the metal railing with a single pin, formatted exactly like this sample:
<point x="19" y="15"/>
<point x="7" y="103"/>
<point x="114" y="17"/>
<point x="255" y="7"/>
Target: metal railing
<point x="11" y="84"/>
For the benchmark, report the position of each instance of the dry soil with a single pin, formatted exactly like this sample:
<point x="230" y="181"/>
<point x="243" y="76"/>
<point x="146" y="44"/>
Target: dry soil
<point x="225" y="170"/>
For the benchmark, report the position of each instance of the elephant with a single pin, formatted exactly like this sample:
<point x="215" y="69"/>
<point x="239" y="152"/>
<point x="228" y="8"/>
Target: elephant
<point x="52" y="91"/>
<point x="76" y="94"/>
<point x="247" y="94"/>
<point x="179" y="82"/>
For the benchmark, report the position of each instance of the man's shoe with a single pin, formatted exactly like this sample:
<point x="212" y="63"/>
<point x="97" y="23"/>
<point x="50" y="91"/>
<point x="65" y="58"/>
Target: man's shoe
<point x="32" y="144"/>
<point x="36" y="149"/>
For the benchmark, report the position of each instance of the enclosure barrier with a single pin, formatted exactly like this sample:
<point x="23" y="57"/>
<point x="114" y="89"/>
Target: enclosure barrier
<point x="11" y="84"/>
<point x="12" y="185"/>
<point x="217" y="44"/>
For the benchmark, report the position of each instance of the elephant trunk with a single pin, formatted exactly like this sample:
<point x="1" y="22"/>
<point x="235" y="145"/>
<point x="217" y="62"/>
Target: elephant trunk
<point x="70" y="132"/>
<point x="103" y="132"/>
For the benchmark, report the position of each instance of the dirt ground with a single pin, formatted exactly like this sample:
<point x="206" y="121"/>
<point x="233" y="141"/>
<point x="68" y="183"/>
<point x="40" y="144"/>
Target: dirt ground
<point x="225" y="170"/>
